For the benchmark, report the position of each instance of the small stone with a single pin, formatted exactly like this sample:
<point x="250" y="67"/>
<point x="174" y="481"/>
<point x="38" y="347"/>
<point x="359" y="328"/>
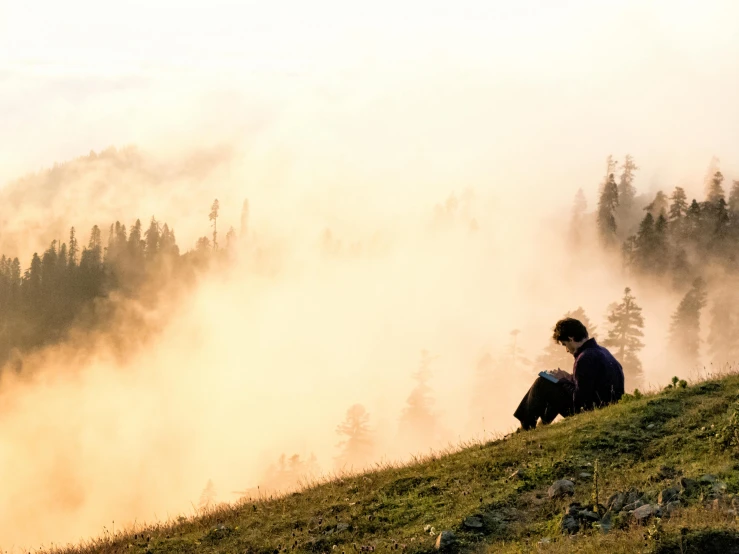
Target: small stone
<point x="585" y="475"/>
<point x="561" y="488"/>
<point x="707" y="478"/>
<point x="589" y="515"/>
<point x="606" y="522"/>
<point x="543" y="541"/>
<point x="719" y="487"/>
<point x="616" y="501"/>
<point x="574" y="509"/>
<point x="688" y="486"/>
<point x="632" y="496"/>
<point x="643" y="513"/>
<point x="570" y="525"/>
<point x="473" y="522"/>
<point x="668" y="495"/>
<point x="446" y="541"/>
<point x="341" y="527"/>
<point x="634" y="506"/>
<point x="650" y="426"/>
<point x="672" y="507"/>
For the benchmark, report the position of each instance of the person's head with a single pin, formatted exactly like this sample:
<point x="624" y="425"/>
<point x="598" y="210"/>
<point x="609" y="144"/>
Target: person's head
<point x="570" y="333"/>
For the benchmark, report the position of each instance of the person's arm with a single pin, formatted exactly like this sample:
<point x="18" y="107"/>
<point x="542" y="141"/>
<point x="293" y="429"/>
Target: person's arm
<point x="585" y="374"/>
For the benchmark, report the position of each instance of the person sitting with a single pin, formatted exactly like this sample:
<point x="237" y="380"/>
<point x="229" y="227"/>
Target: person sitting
<point x="597" y="379"/>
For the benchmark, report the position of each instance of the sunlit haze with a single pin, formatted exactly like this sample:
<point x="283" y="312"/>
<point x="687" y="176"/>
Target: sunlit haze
<point x="357" y="120"/>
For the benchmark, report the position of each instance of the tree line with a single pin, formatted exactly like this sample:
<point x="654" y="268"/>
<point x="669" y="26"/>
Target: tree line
<point x="57" y="290"/>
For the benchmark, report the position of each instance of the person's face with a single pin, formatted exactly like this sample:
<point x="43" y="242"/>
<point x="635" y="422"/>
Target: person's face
<point x="569" y="344"/>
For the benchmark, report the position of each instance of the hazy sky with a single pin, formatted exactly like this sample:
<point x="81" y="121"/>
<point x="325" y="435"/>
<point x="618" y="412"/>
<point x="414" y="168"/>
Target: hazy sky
<point x="529" y="84"/>
<point x="358" y="117"/>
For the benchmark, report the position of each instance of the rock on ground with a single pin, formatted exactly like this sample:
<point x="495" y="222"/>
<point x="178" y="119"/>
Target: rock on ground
<point x="668" y="495"/>
<point x="561" y="488"/>
<point x="570" y="525"/>
<point x="446" y="541"/>
<point x="643" y="513"/>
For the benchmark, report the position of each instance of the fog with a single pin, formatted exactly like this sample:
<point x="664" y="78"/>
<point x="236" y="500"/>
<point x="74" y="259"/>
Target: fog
<point x="366" y="128"/>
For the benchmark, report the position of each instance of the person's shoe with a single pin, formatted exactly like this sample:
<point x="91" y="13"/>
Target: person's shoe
<point x="527" y="426"/>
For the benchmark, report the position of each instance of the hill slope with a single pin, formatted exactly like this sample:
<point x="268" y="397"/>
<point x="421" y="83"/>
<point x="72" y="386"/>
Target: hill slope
<point x="645" y="444"/>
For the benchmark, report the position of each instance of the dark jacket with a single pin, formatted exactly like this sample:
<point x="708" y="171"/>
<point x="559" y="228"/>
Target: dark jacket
<point x="597" y="377"/>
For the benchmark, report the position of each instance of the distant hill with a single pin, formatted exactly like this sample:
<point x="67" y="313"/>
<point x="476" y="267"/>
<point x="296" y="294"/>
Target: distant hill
<point x="674" y="452"/>
<point x="115" y="184"/>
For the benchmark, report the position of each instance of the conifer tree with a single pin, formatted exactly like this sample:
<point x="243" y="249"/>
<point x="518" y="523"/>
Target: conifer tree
<point x="418" y="422"/>
<point x="607" y="204"/>
<point x="151" y="239"/>
<point x="733" y="203"/>
<point x="644" y="243"/>
<point x="626" y="189"/>
<point x="73" y="248"/>
<point x="715" y="188"/>
<point x="230" y="238"/>
<point x="208" y="496"/>
<point x="577" y="218"/>
<point x="357" y="441"/>
<point x="682" y="272"/>
<point x="684" y="336"/>
<point x="679" y="205"/>
<point x="693" y="220"/>
<point x="723" y="335"/>
<point x="624" y="335"/>
<point x="214" y="218"/>
<point x="658" y="206"/>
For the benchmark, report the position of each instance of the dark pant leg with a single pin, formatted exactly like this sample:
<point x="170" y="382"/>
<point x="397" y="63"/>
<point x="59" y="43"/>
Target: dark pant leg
<point x="544" y="400"/>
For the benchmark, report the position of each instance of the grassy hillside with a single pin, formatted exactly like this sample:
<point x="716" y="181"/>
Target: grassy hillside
<point x="645" y="444"/>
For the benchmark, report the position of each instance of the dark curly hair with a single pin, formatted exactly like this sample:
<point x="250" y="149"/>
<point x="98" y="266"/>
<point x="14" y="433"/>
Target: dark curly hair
<point x="569" y="328"/>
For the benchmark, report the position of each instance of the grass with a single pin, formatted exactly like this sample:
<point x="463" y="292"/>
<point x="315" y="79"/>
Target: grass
<point x="391" y="509"/>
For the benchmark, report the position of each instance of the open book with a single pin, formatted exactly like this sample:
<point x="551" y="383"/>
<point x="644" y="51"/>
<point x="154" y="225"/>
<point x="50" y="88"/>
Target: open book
<point x="548" y="376"/>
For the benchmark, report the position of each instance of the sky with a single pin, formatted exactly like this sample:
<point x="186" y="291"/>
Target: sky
<point x="361" y="118"/>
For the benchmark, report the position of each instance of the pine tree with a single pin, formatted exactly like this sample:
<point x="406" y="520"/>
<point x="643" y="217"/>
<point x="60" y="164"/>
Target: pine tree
<point x="644" y="243"/>
<point x="679" y="206"/>
<point x="660" y="247"/>
<point x="357" y="444"/>
<point x="230" y="238"/>
<point x="658" y="206"/>
<point x="214" y="218"/>
<point x="73" y="248"/>
<point x="715" y="188"/>
<point x="684" y="337"/>
<point x="151" y="239"/>
<point x="626" y="189"/>
<point x="734" y="198"/>
<point x="682" y="272"/>
<point x="693" y="221"/>
<point x="577" y="218"/>
<point x="208" y="496"/>
<point x="418" y="422"/>
<point x="723" y="335"/>
<point x="624" y="335"/>
<point x="607" y="204"/>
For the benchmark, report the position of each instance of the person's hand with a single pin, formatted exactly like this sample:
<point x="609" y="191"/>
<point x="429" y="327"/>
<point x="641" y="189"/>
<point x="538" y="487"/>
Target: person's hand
<point x="560" y="374"/>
